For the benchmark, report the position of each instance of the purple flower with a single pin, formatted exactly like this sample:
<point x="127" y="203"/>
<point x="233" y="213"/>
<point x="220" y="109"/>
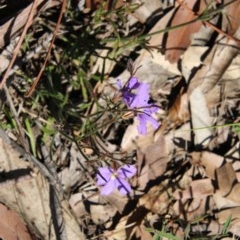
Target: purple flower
<point x="144" y="109"/>
<point x="136" y="96"/>
<point x="141" y="97"/>
<point x="111" y="179"/>
<point x="127" y="89"/>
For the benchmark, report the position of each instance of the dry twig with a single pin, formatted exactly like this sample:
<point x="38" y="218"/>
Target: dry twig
<point x="31" y="90"/>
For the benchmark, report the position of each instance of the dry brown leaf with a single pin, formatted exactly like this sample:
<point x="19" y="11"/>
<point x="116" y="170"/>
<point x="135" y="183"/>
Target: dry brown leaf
<point x="127" y="225"/>
<point x="179" y="39"/>
<point x="11" y="227"/>
<point x="102" y="213"/>
<point x="179" y="111"/>
<point x="117" y="200"/>
<point x="101" y="209"/>
<point x="223" y="202"/>
<point x="213" y="228"/>
<point x="200" y="118"/>
<point x="119" y="231"/>
<point x="234" y="154"/>
<point x="157" y="199"/>
<point x="209" y="160"/>
<point x="191" y="209"/>
<point x="227" y="182"/>
<point x="28" y="194"/>
<point x="232" y="12"/>
<point x="198" y="189"/>
<point x="192" y="58"/>
<point x="152" y="162"/>
<point x="142" y="234"/>
<point x="215" y="64"/>
<point x="226" y="178"/>
<point x="234" y="213"/>
<point x="76" y="202"/>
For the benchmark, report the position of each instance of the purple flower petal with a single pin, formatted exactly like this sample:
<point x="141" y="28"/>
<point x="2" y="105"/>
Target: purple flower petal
<point x="110" y="179"/>
<point x="123" y="186"/>
<point x="109" y="187"/>
<point x="149" y="109"/>
<point x="153" y="121"/>
<point x="119" y="83"/>
<point x="127" y="171"/>
<point x="127" y="94"/>
<point x="133" y="83"/>
<point x="143" y="92"/>
<point x="104" y="175"/>
<point x="142" y="96"/>
<point x="128" y="98"/>
<point x="142" y="127"/>
<point x="143" y="118"/>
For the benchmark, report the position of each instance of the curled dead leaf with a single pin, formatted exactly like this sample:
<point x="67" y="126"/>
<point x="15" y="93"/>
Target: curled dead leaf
<point x="227" y="182"/>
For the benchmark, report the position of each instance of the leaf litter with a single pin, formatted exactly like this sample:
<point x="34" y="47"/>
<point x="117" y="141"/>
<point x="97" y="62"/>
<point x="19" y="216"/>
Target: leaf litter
<point x="187" y="181"/>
